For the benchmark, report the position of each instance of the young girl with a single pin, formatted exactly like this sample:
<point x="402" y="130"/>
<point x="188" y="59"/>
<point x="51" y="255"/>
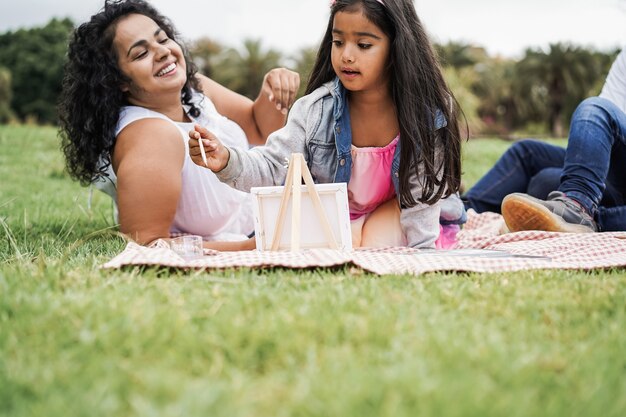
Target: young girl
<point x="377" y="115"/>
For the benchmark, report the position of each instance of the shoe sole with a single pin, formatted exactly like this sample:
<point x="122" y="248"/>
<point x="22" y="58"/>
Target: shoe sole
<point x="520" y="214"/>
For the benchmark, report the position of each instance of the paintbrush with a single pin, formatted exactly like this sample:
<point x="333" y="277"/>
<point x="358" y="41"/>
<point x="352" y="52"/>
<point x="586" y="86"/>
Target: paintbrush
<point x="206" y="164"/>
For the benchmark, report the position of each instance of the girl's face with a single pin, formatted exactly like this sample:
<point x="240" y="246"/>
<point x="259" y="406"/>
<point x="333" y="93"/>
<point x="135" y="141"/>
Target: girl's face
<point x="154" y="63"/>
<point x="360" y="52"/>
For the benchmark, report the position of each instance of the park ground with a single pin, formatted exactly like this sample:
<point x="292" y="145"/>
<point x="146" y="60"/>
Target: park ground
<point x="79" y="341"/>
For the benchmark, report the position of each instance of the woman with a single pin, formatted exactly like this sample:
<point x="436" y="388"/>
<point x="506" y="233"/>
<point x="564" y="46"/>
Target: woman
<point x="130" y="95"/>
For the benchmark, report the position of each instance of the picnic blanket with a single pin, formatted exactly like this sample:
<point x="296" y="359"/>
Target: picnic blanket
<point x="481" y="247"/>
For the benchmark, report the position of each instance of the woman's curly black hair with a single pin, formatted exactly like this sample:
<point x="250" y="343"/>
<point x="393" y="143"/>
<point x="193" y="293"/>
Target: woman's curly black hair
<point x="91" y="97"/>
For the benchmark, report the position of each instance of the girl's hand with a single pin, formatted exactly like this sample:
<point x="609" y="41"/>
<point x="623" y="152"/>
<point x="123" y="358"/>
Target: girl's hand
<point x="217" y="155"/>
<point x="281" y="86"/>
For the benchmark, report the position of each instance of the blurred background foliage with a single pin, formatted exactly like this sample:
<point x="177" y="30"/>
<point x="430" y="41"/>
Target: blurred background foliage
<point x="535" y="94"/>
<point x="34" y="58"/>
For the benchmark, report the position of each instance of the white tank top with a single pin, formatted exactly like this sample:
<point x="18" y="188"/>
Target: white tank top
<point x="206" y="207"/>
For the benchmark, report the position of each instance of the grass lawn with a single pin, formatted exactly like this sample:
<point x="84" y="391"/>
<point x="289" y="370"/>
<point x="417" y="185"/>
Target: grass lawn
<point x="77" y="341"/>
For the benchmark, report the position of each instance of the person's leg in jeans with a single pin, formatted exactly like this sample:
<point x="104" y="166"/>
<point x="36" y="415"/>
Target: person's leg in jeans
<point x="593" y="173"/>
<point x="611" y="208"/>
<point x="611" y="213"/>
<point x="596" y="160"/>
<point x="544" y="182"/>
<point x="513" y="172"/>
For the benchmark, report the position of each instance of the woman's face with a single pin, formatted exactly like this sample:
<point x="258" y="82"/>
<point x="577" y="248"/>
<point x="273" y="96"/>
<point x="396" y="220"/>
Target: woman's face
<point x="154" y="63"/>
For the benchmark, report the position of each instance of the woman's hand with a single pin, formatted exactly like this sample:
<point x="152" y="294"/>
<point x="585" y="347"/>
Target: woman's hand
<point x="281" y="86"/>
<point x="216" y="155"/>
<point x="267" y="113"/>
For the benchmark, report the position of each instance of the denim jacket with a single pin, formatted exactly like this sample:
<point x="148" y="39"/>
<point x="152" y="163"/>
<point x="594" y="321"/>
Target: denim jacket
<point x="319" y="127"/>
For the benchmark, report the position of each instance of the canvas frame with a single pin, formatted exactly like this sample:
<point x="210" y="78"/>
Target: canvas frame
<point x="318" y="213"/>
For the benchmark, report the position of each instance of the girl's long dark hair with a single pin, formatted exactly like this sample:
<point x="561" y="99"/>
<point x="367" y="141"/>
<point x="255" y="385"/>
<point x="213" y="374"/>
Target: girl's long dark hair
<point x="418" y="90"/>
<point x="91" y="97"/>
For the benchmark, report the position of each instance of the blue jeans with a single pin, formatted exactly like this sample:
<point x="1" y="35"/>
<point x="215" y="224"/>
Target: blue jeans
<point x="592" y="170"/>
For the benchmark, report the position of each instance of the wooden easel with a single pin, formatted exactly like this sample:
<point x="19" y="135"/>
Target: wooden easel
<point x="296" y="172"/>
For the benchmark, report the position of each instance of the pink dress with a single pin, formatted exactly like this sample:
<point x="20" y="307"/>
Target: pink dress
<point x="370" y="187"/>
<point x="370" y="182"/>
<point x="374" y="213"/>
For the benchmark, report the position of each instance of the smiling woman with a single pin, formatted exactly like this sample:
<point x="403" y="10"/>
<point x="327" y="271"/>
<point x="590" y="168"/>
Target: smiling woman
<point x="152" y="61"/>
<point x="130" y="95"/>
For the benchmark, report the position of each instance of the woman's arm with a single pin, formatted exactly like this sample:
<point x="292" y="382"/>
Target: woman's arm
<point x="248" y="244"/>
<point x="263" y="116"/>
<point x="148" y="159"/>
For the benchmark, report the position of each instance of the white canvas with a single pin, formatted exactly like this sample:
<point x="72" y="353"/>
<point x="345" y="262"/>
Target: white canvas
<point x="334" y="198"/>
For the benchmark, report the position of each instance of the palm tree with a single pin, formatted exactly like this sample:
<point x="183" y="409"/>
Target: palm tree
<point x="459" y="55"/>
<point x="605" y="60"/>
<point x="561" y="78"/>
<point x="499" y="105"/>
<point x="204" y="52"/>
<point x="243" y="72"/>
<point x="460" y="82"/>
<point x="305" y="59"/>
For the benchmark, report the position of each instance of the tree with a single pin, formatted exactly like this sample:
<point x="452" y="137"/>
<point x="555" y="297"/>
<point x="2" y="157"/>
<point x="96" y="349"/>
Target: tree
<point x="204" y="52"/>
<point x="499" y="103"/>
<point x="305" y="59"/>
<point x="35" y="58"/>
<point x="561" y="78"/>
<point x="5" y="95"/>
<point x="243" y="72"/>
<point x="461" y="65"/>
<point x="604" y="60"/>
<point x="460" y="83"/>
<point x="460" y="55"/>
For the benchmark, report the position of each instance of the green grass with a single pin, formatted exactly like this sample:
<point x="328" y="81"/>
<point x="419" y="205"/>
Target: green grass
<point x="78" y="341"/>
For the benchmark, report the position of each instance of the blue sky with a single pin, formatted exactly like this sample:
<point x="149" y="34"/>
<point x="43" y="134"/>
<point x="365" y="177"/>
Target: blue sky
<point x="504" y="27"/>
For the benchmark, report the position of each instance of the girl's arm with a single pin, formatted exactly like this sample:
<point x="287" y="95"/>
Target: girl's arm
<point x="420" y="223"/>
<point x="262" y="165"/>
<point x="263" y="116"/>
<point x="148" y="160"/>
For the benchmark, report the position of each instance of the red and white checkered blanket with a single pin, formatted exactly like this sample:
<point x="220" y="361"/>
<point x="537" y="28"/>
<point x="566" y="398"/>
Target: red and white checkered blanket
<point x="480" y="249"/>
